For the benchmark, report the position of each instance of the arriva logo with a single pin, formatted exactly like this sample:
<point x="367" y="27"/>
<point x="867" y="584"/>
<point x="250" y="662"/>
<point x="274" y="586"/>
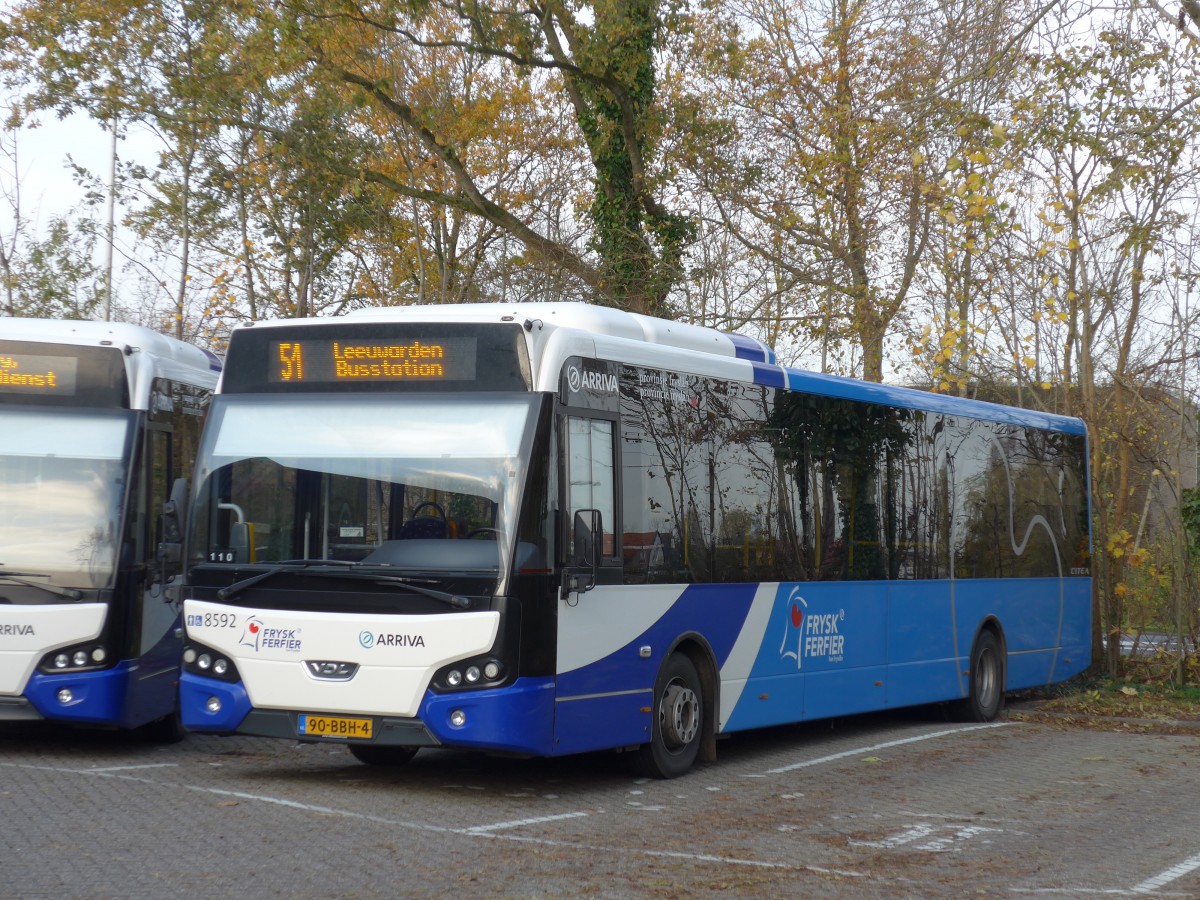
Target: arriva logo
<point x="366" y="639"/>
<point x="592" y="381"/>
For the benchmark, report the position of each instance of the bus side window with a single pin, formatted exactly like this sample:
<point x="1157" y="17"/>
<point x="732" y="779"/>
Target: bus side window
<point x="591" y="481"/>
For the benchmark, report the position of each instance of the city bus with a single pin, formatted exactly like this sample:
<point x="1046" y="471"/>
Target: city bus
<point x="558" y="528"/>
<point x="97" y="421"/>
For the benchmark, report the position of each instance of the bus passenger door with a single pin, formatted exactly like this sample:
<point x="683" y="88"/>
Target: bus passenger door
<point x="168" y="451"/>
<point x="600" y="678"/>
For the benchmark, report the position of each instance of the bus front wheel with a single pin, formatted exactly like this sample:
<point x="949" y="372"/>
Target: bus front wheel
<point x="677" y="721"/>
<point x="985" y="695"/>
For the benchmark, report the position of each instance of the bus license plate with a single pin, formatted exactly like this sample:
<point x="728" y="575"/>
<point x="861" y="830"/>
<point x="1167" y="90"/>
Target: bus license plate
<point x="335" y="726"/>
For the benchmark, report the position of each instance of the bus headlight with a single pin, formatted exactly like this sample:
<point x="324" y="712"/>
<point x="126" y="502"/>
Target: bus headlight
<point x="201" y="660"/>
<point x="469" y="674"/>
<point x="79" y="658"/>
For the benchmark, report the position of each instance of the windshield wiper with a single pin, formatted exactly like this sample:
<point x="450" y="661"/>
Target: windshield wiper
<point x="336" y="569"/>
<point x="20" y="578"/>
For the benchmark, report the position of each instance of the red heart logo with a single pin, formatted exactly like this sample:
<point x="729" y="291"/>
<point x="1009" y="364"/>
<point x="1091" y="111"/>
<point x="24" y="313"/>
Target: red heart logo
<point x="254" y="628"/>
<point x="797" y="616"/>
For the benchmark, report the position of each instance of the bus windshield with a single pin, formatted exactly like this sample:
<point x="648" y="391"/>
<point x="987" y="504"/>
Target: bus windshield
<point x="413" y="482"/>
<point x="62" y="487"/>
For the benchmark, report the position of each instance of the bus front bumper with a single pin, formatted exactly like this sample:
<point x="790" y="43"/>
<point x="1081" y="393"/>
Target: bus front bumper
<point x="514" y="719"/>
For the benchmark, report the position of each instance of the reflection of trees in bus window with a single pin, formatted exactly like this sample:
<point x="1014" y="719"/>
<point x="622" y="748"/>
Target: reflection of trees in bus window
<point x="591" y="476"/>
<point x="655" y="500"/>
<point x="739" y="482"/>
<point x="745" y="488"/>
<point x="1012" y="517"/>
<point x="841" y="448"/>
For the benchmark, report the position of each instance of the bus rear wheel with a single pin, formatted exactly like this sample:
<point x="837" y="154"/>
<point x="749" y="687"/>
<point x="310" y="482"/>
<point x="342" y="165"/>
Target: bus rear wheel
<point x="677" y="721"/>
<point x="374" y="755"/>
<point x="985" y="696"/>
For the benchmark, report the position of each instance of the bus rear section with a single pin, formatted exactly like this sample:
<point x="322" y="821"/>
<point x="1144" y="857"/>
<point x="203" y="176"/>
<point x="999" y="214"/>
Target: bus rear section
<point x="96" y="421"/>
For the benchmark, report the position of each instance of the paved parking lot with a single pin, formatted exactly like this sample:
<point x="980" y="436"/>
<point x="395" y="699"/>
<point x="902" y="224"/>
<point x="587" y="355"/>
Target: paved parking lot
<point x="875" y="806"/>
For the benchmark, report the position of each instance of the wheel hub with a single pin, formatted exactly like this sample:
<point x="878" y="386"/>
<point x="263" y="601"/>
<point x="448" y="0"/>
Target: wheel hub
<point x="680" y="715"/>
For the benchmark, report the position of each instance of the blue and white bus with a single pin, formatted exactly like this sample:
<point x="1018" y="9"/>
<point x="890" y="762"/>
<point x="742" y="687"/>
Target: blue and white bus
<point x="97" y="420"/>
<point x="548" y="529"/>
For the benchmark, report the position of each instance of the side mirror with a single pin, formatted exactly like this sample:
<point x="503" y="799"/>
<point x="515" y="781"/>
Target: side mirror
<point x="170" y="548"/>
<point x="585" y="558"/>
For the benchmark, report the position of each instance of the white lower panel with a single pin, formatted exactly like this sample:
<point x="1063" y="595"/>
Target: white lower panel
<point x="27" y="633"/>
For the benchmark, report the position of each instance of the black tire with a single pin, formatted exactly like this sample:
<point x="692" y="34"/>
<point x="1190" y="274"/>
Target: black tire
<point x="375" y="755"/>
<point x="677" y="721"/>
<point x="167" y="730"/>
<point x="985" y="695"/>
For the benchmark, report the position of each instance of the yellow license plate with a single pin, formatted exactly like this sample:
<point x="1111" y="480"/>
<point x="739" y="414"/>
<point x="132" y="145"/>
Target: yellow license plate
<point x="334" y="726"/>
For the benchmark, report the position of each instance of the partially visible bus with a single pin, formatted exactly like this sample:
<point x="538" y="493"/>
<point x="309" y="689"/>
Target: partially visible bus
<point x="97" y="421"/>
<point x="548" y="529"/>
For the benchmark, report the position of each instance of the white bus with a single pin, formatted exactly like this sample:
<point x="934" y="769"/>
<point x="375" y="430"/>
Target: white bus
<point x="97" y="421"/>
<point x="549" y="529"/>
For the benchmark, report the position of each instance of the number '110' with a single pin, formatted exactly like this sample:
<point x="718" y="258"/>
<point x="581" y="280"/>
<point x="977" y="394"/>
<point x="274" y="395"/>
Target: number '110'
<point x="291" y="363"/>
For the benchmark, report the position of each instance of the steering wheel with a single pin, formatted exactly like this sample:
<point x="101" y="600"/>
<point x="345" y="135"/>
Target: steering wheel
<point x="494" y="532"/>
<point x="441" y="513"/>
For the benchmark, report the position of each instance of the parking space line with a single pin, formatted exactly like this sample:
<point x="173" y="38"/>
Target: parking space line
<point x="133" y="768"/>
<point x="1164" y="878"/>
<point x="517" y="823"/>
<point x="871" y="749"/>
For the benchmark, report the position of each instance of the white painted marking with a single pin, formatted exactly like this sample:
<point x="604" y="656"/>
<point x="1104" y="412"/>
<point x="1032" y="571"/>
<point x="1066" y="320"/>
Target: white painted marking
<point x="884" y="746"/>
<point x="517" y="823"/>
<point x="1163" y="878"/>
<point x="916" y="833"/>
<point x="134" y="768"/>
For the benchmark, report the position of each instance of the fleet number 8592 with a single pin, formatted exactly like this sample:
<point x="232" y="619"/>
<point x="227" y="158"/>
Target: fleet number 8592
<point x="213" y="620"/>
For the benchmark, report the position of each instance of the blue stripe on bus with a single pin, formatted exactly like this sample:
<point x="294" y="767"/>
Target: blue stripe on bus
<point x="771" y="376"/>
<point x="605" y="703"/>
<point x="749" y="348"/>
<point x="910" y="398"/>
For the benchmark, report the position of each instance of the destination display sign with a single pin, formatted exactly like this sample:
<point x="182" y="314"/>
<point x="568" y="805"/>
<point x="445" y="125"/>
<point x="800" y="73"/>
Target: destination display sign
<point x="445" y="359"/>
<point x="351" y="356"/>
<point x="28" y="373"/>
<point x="54" y="374"/>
